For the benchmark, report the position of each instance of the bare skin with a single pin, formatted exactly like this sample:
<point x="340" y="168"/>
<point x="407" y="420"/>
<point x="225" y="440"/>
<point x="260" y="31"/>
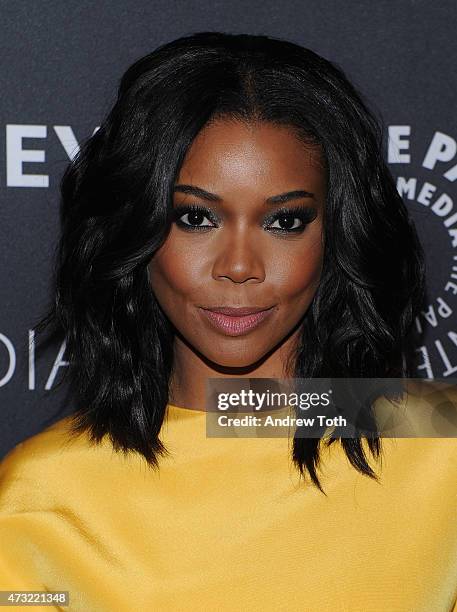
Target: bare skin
<point x="240" y="257"/>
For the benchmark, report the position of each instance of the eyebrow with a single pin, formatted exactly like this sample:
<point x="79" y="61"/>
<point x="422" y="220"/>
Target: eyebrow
<point x="212" y="197"/>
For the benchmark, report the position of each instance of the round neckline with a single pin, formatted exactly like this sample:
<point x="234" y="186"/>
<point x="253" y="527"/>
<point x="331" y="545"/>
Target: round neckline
<point x="183" y="410"/>
<point x="186" y="410"/>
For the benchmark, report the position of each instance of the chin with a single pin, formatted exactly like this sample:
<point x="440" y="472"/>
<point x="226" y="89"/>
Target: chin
<point x="231" y="359"/>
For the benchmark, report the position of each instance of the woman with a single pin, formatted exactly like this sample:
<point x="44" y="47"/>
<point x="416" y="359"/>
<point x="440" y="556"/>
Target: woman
<point x="233" y="172"/>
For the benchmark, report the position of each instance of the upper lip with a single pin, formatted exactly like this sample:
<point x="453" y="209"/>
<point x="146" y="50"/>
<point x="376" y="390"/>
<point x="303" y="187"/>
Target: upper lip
<point x="236" y="311"/>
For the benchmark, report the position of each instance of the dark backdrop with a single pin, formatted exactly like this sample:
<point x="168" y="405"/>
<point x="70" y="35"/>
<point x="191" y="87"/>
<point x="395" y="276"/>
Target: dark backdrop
<point x="60" y="66"/>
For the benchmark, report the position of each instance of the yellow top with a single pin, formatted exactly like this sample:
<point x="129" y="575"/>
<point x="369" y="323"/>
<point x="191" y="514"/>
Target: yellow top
<point x="225" y="524"/>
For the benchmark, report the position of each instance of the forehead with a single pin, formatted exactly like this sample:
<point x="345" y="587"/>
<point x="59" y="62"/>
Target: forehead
<point x="253" y="153"/>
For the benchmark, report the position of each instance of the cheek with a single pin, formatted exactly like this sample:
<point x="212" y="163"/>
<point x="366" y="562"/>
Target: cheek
<point x="297" y="273"/>
<point x="176" y="272"/>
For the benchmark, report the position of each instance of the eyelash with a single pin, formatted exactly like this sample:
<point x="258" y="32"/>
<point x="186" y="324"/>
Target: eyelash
<point x="305" y="214"/>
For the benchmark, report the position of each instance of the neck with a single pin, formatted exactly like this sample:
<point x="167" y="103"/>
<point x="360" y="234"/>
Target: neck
<point x="191" y="370"/>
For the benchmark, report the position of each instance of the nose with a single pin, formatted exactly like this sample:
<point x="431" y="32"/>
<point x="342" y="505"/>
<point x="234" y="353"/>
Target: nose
<point x="239" y="257"/>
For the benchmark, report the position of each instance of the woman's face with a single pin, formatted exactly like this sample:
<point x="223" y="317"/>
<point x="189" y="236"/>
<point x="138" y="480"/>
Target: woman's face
<point x="238" y="249"/>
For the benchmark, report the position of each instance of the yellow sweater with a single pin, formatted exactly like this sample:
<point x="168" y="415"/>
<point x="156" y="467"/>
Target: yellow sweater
<point x="225" y="524"/>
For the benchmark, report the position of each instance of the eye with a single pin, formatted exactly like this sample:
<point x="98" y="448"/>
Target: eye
<point x="293" y="220"/>
<point x="192" y="217"/>
<point x="290" y="222"/>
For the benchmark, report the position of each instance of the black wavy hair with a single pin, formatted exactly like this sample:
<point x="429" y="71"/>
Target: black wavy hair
<point x="116" y="203"/>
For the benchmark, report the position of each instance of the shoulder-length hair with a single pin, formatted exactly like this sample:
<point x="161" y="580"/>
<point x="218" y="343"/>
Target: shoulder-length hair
<point x="116" y="202"/>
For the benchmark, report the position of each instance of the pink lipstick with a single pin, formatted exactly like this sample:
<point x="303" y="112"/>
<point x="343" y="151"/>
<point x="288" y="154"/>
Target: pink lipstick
<point x="236" y="321"/>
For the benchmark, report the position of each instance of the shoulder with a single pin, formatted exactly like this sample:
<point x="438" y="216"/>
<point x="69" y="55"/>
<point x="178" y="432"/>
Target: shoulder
<point x="50" y="485"/>
<point x="420" y="437"/>
<point x="53" y="466"/>
<point x="435" y="392"/>
<point x="51" y="445"/>
<point x="425" y="409"/>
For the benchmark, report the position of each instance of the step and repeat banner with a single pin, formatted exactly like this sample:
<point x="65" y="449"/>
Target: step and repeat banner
<point x="60" y="67"/>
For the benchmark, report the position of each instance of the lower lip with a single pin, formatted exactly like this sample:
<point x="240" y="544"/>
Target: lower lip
<point x="236" y="326"/>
